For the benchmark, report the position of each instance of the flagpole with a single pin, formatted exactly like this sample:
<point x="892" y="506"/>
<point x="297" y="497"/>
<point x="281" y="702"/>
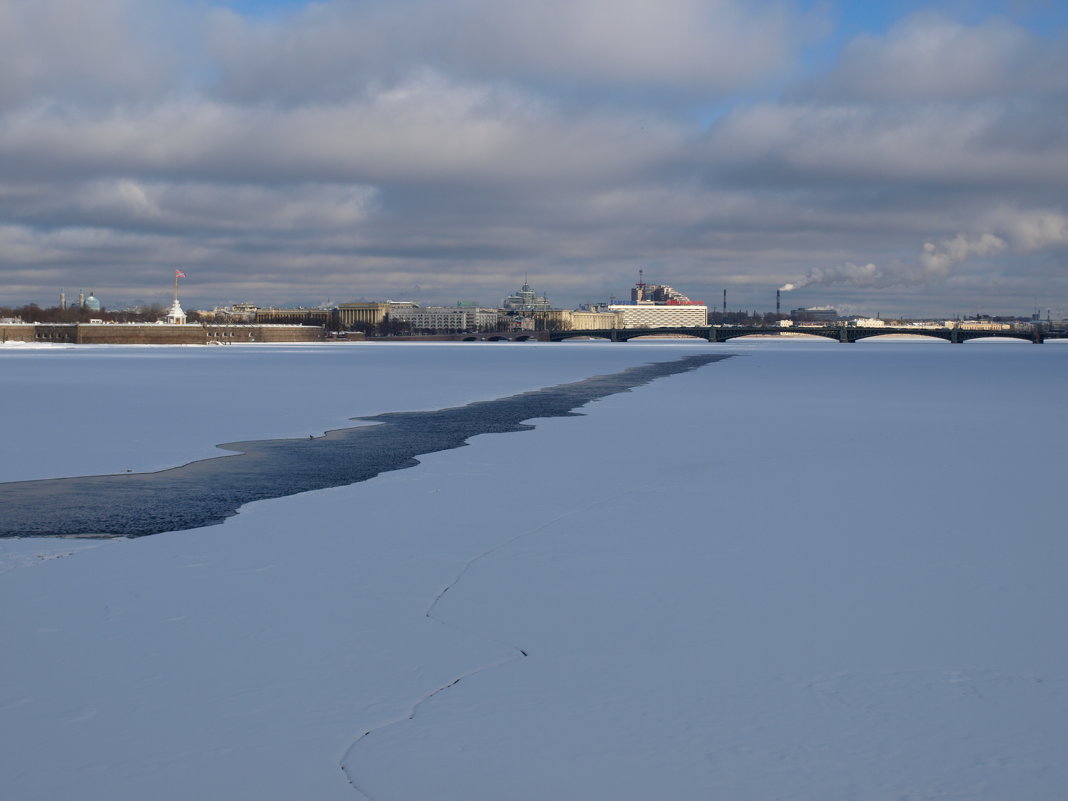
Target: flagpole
<point x="175" y="286"/>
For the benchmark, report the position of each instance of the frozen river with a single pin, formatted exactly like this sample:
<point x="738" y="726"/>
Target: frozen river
<point x="208" y="491"/>
<point x="810" y="571"/>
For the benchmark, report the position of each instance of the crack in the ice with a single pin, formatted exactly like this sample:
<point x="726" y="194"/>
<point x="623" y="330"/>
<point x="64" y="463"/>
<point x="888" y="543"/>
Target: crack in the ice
<point x="208" y="491"/>
<point x="521" y="653"/>
<point x="429" y="614"/>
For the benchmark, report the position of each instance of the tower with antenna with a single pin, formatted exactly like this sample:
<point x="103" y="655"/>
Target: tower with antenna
<point x="638" y="293"/>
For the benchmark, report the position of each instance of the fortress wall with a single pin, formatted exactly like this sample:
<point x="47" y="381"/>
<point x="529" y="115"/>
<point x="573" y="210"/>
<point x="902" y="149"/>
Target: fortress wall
<point x="18" y="332"/>
<point x="288" y="333"/>
<point x="124" y="334"/>
<point x="152" y="334"/>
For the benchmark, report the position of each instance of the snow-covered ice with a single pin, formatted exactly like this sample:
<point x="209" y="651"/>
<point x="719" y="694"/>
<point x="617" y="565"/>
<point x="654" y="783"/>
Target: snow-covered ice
<point x="812" y="571"/>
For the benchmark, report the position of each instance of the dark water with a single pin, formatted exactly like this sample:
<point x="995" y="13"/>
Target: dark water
<point x="207" y="492"/>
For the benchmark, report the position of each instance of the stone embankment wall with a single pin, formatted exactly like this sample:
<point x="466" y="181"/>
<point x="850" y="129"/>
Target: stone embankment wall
<point x="140" y="334"/>
<point x="18" y="332"/>
<point x="288" y="333"/>
<point x="149" y="334"/>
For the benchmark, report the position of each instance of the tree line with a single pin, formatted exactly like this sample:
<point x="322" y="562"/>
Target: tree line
<point x="32" y="313"/>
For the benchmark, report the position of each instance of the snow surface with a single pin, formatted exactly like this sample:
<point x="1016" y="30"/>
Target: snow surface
<point x="813" y="571"/>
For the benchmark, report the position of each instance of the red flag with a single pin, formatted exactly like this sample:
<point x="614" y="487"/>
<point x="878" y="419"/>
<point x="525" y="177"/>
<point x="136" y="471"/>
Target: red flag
<point x="179" y="274"/>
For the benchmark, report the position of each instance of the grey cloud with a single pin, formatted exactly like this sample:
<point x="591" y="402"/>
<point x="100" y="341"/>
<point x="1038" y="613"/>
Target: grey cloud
<point x="424" y="130"/>
<point x="932" y="57"/>
<point x="367" y="149"/>
<point x="103" y="51"/>
<point x="976" y="118"/>
<point x="131" y="204"/>
<point x="929" y="144"/>
<point x="1026" y="231"/>
<point x="342" y="48"/>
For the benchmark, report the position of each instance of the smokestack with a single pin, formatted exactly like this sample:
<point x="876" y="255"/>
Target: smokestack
<point x="724" y="301"/>
<point x="777" y="293"/>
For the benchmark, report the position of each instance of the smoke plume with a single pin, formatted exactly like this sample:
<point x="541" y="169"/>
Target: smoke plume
<point x="847" y="273"/>
<point x="935" y="262"/>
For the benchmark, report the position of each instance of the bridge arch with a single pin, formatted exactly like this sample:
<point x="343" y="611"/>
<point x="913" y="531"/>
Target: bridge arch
<point x="897" y="336"/>
<point x="792" y="336"/>
<point x="646" y="337"/>
<point x="999" y="336"/>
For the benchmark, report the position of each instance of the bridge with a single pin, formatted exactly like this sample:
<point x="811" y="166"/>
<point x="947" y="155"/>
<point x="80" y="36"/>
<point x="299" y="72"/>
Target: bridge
<point x="723" y="333"/>
<point x="839" y="333"/>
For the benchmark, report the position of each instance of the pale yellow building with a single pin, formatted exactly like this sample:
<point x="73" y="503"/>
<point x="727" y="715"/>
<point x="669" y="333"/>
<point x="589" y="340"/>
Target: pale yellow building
<point x="593" y="321"/>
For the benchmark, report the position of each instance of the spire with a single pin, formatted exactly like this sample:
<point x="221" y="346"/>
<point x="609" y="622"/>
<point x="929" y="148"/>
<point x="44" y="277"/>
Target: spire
<point x="176" y="316"/>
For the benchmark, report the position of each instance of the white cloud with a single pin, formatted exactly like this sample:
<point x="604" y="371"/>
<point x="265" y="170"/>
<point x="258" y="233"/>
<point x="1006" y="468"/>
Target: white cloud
<point x="1033" y="230"/>
<point x="930" y="56"/>
<point x="939" y="258"/>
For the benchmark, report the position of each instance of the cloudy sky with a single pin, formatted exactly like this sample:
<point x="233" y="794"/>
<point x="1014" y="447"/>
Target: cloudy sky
<point x="906" y="159"/>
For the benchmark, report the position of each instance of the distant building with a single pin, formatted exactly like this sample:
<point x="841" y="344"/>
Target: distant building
<point x="977" y="325"/>
<point x="444" y="319"/>
<point x="593" y="320"/>
<point x="656" y="293"/>
<point x="547" y="320"/>
<point x="821" y="314"/>
<point x="658" y="316"/>
<point x="236" y="313"/>
<point x="351" y="315"/>
<point x="294" y="316"/>
<point x="526" y="300"/>
<point x="91" y="303"/>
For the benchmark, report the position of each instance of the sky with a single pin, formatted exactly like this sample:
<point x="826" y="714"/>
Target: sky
<point x="895" y="158"/>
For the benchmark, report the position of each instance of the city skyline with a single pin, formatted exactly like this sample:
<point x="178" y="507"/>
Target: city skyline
<point x="910" y="159"/>
<point x="544" y="302"/>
